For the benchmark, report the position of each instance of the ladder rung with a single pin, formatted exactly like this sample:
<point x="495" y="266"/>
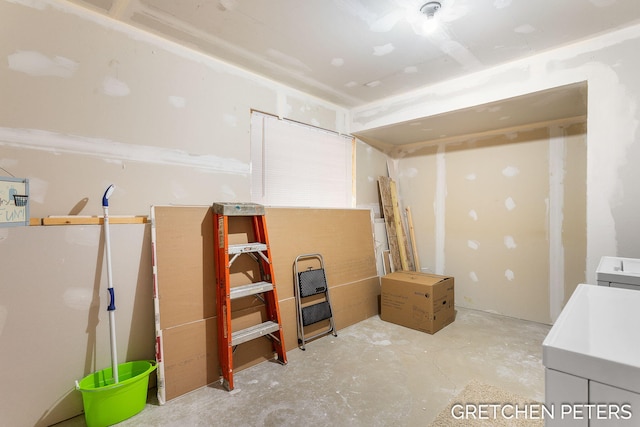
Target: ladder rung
<point x="253" y="332"/>
<point x="250" y="289"/>
<point x="247" y="248"/>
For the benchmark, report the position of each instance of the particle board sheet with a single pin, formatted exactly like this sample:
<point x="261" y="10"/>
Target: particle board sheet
<point x="343" y="237"/>
<point x="184" y="284"/>
<point x="184" y="260"/>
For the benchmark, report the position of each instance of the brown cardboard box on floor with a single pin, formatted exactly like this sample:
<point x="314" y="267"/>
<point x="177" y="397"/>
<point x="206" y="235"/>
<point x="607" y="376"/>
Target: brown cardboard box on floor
<point x="417" y="300"/>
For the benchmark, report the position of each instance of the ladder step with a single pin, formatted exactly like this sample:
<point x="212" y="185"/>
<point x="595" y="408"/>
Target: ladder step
<point x="253" y="332"/>
<point x="250" y="289"/>
<point x="247" y="248"/>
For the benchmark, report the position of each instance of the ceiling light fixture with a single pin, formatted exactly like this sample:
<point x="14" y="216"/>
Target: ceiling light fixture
<point x="429" y="9"/>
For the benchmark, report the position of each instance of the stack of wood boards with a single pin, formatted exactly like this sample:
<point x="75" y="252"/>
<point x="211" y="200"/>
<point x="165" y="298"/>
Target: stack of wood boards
<point x="399" y="249"/>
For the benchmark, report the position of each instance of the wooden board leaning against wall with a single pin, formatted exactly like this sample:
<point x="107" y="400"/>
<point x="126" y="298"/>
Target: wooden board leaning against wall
<point x="402" y="247"/>
<point x="185" y="306"/>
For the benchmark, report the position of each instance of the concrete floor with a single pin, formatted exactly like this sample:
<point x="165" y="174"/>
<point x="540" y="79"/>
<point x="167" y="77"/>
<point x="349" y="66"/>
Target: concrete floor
<point x="374" y="373"/>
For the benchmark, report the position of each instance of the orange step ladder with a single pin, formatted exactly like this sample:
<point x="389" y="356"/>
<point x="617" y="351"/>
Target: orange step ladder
<point x="264" y="289"/>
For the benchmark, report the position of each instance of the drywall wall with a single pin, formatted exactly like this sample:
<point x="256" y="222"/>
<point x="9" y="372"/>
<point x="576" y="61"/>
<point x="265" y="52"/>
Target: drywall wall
<point x="608" y="64"/>
<point x="483" y="207"/>
<point x="370" y="165"/>
<point x="498" y="241"/>
<point x="54" y="326"/>
<point x="89" y="102"/>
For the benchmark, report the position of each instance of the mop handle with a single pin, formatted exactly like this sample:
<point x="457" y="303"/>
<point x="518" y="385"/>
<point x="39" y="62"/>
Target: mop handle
<point x="111" y="308"/>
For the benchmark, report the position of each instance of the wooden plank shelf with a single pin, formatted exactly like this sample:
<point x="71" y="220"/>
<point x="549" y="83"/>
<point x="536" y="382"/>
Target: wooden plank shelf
<point x="91" y="220"/>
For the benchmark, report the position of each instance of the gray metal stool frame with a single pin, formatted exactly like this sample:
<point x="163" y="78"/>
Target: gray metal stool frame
<point x="310" y="283"/>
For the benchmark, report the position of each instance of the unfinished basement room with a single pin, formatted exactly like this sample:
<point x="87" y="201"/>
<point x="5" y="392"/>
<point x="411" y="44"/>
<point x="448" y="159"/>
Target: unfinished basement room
<point x="319" y="212"/>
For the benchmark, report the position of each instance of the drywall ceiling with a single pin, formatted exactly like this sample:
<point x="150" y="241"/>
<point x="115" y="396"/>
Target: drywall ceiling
<point x="561" y="105"/>
<point x="354" y="52"/>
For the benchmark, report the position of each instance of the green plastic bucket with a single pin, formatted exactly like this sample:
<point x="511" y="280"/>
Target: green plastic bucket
<point x="106" y="403"/>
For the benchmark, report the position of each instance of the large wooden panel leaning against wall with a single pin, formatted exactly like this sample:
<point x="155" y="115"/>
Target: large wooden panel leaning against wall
<point x="186" y="282"/>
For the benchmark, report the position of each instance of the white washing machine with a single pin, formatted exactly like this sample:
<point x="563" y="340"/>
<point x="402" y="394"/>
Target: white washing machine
<point x="617" y="272"/>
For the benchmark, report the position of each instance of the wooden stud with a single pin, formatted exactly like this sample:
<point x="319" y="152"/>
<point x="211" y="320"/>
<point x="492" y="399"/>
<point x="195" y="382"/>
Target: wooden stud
<point x="414" y="246"/>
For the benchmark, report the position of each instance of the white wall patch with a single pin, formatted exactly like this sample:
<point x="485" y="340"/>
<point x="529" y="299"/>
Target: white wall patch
<point x="473" y="214"/>
<point x="114" y="87"/>
<point x="501" y="4"/>
<point x="473" y="276"/>
<point x="177" y="101"/>
<point x="473" y="244"/>
<point x="410" y="172"/>
<point x="509" y="242"/>
<point x="228" y="191"/>
<point x="510" y="171"/>
<point x="509" y="204"/>
<point x="386" y="22"/>
<point x="39" y="65"/>
<point x="78" y="298"/>
<point x="37" y="189"/>
<point x="509" y="274"/>
<point x="230" y="119"/>
<point x="471" y="177"/>
<point x="81" y="236"/>
<point x="383" y="50"/>
<point x="337" y="62"/>
<point x="36" y="139"/>
<point x="288" y="60"/>
<point x="525" y="29"/>
<point x="178" y="191"/>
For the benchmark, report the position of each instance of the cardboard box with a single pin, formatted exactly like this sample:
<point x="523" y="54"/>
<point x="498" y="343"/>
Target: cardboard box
<point x="420" y="301"/>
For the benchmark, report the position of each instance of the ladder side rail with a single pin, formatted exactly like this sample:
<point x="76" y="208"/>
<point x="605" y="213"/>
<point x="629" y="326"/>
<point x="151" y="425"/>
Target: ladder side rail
<point x="296" y="290"/>
<point x="332" y="328"/>
<point x="271" y="298"/>
<point x="260" y="235"/>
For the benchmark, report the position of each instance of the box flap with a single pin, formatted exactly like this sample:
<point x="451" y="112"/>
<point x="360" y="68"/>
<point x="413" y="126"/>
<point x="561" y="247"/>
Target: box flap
<point x="415" y="277"/>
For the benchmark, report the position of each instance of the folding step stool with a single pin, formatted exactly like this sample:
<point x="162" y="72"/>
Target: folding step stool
<point x="265" y="289"/>
<point x="310" y="283"/>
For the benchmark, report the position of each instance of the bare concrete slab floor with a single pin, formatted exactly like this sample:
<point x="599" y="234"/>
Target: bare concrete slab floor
<point x="374" y="373"/>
